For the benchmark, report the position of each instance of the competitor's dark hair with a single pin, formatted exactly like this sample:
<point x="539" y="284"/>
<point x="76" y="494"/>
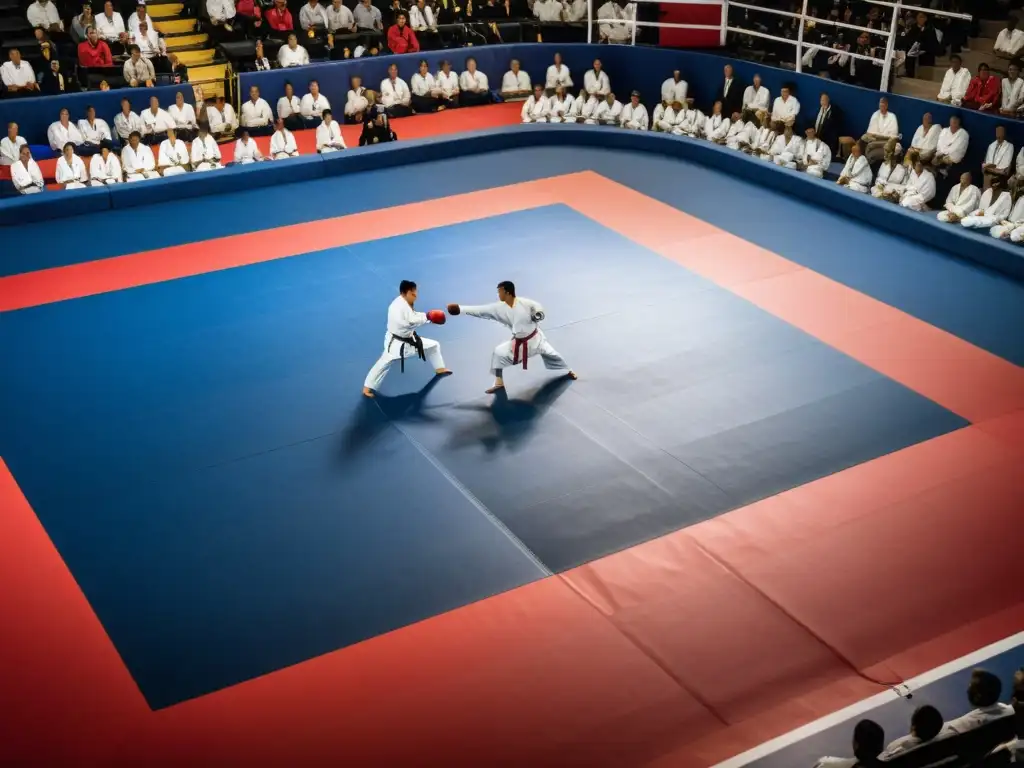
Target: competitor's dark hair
<point x="508" y="286"/>
<point x="405" y="286"/>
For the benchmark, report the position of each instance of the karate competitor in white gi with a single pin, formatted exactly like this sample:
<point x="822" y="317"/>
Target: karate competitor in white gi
<point x="523" y="317"/>
<point x="401" y="339"/>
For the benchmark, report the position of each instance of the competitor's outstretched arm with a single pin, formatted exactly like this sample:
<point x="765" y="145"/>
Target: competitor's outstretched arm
<point x="483" y="311"/>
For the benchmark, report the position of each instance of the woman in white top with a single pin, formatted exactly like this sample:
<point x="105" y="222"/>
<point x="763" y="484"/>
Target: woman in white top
<point x="537" y="108"/>
<point x="313" y="105"/>
<point x="448" y="84"/>
<point x="575" y="113"/>
<point x="282" y="143"/>
<point x="328" y="135"/>
<point x="473" y="87"/>
<point x="104" y="167"/>
<point x="740" y="134"/>
<point x="920" y="188"/>
<point x="25" y="174"/>
<point x="137" y="160"/>
<point x="173" y="158"/>
<point x="184" y="117"/>
<point x="856" y="174"/>
<point x="558" y="75"/>
<point x="71" y="173"/>
<point x="356" y="101"/>
<point x="890" y="173"/>
<point x="289" y="108"/>
<point x="205" y="152"/>
<point x="560" y="106"/>
<point x="426" y="96"/>
<point x="716" y="126"/>
<point x="246" y="151"/>
<point x="817" y="155"/>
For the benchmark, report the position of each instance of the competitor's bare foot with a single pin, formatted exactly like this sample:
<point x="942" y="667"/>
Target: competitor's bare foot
<point x="442" y="372"/>
<point x="572" y="375"/>
<point x="367" y="392"/>
<point x="498" y="385"/>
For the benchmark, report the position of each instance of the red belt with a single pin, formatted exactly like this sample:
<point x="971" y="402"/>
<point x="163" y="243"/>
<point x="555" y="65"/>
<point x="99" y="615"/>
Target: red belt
<point x="522" y="344"/>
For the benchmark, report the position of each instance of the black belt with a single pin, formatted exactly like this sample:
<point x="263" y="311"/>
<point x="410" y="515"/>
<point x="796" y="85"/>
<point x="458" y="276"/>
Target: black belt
<point x="415" y="341"/>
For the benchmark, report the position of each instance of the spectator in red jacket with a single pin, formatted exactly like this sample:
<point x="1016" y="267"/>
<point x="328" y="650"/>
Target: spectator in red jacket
<point x="983" y="93"/>
<point x="401" y="38"/>
<point x="93" y="52"/>
<point x="280" y="18"/>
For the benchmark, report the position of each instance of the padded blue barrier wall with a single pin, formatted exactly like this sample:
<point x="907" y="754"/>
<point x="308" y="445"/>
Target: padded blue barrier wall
<point x="34" y="115"/>
<point x="924" y="227"/>
<point x="643" y="69"/>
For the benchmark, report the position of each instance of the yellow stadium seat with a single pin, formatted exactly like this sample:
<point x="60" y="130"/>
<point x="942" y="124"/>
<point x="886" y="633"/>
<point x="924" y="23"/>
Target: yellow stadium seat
<point x="175" y="26"/>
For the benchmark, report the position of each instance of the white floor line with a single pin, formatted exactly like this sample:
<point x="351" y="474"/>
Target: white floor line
<point x="862" y="707"/>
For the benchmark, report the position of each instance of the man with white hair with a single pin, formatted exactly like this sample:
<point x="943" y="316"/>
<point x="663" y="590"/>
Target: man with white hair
<point x="634" y="114"/>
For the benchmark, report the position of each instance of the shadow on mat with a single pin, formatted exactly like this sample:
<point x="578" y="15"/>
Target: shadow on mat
<point x="372" y="417"/>
<point x="509" y="421"/>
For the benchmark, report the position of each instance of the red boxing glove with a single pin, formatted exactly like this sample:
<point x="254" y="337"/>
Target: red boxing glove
<point x="436" y="316"/>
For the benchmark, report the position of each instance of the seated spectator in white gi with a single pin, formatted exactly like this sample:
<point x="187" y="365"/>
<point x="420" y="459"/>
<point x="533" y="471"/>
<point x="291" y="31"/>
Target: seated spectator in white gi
<point x="110" y="25"/>
<point x="596" y="82"/>
<point x="137" y="160"/>
<point x="313" y="105"/>
<point x="558" y="75"/>
<point x="184" y="117"/>
<point x="63" y="131"/>
<point x="356" y="102"/>
<point x="856" y="174"/>
<point x="612" y="19"/>
<point x="998" y="160"/>
<point x="313" y="17"/>
<point x="395" y="95"/>
<point x="104" y="167"/>
<point x="786" y="108"/>
<point x="920" y="189"/>
<point x="42" y="14"/>
<point x="868" y="743"/>
<point x="674" y="88"/>
<point x="422" y="18"/>
<point x="891" y="174"/>
<point x="955" y="82"/>
<point x="883" y="131"/>
<point x="156" y="122"/>
<point x="952" y="146"/>
<point x="71" y="173"/>
<point x="993" y="209"/>
<point x="94" y="132"/>
<point x="246" y="151"/>
<point x="574" y="11"/>
<point x="152" y="47"/>
<point x="10" y="145"/>
<point x="926" y="138"/>
<point x="138" y="71"/>
<point x="741" y="133"/>
<point x="765" y="138"/>
<point x="515" y="84"/>
<point x="448" y="83"/>
<point x="716" y="125"/>
<point x="634" y="114"/>
<point x="658" y="114"/>
<point x="205" y="153"/>
<point x="473" y="88"/>
<point x="560" y="106"/>
<point x="126" y="122"/>
<point x="962" y="200"/>
<point x="817" y="156"/>
<point x="791" y="150"/>
<point x="783" y="135"/>
<point x="18" y="75"/>
<point x="689" y="121"/>
<point x="173" y="158"/>
<point x="985" y="688"/>
<point x="607" y="112"/>
<point x="282" y="143"/>
<point x="328" y="135"/>
<point x="1012" y="92"/>
<point x="548" y="11"/>
<point x="670" y="117"/>
<point x="580" y="105"/>
<point x="756" y="97"/>
<point x="136" y="19"/>
<point x="292" y="54"/>
<point x="222" y="119"/>
<point x="25" y="174"/>
<point x="536" y="109"/>
<point x="256" y="114"/>
<point x="1009" y="41"/>
<point x="426" y="96"/>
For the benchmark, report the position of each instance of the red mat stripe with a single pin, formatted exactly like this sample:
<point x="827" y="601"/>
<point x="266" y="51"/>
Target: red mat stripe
<point x="650" y="651"/>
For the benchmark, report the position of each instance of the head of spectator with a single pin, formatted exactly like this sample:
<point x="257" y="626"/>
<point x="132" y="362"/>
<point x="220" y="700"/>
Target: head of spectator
<point x="65" y="117"/>
<point x="90" y="114"/>
<point x="1000" y="133"/>
<point x="868" y="741"/>
<point x="24" y="154"/>
<point x="105" y="147"/>
<point x="12" y="132"/>
<point x="824" y="100"/>
<point x="787" y="130"/>
<point x="144" y="28"/>
<point x="983" y="72"/>
<point x="393" y="72"/>
<point x="883" y="105"/>
<point x="857" y="149"/>
<point x="254" y="94"/>
<point x="86" y="16"/>
<point x="955" y="62"/>
<point x="1013" y="72"/>
<point x="293" y="41"/>
<point x="126" y="107"/>
<point x="314" y="88"/>
<point x="289" y="90"/>
<point x="926" y="121"/>
<point x="966" y="179"/>
<point x="92" y="36"/>
<point x="560" y="92"/>
<point x="634" y="99"/>
<point x="259" y="49"/>
<point x="15" y="56"/>
<point x="811" y="133"/>
<point x="1011" y="22"/>
<point x="446" y="66"/>
<point x="538" y="91"/>
<point x="327" y="117"/>
<point x="108" y="9"/>
<point x="597" y="66"/>
<point x="400" y="18"/>
<point x="69" y="152"/>
<point x="558" y="60"/>
<point x="728" y="71"/>
<point x="281" y="6"/>
<point x="135" y="52"/>
<point x="610" y="98"/>
<point x="926" y="723"/>
<point x="717" y="108"/>
<point x="179" y="99"/>
<point x="243" y="133"/>
<point x="954" y="123"/>
<point x="140" y="11"/>
<point x="278" y="125"/>
<point x="756" y="80"/>
<point x="470" y="64"/>
<point x="154" y="104"/>
<point x="922" y="20"/>
<point x="104" y="85"/>
<point x="133" y="139"/>
<point x="514" y="66"/>
<point x="676" y="75"/>
<point x="984" y="688"/>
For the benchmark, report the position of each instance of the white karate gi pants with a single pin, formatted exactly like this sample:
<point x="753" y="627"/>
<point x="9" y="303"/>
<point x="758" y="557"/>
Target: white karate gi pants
<point x="393" y="353"/>
<point x="979" y="222"/>
<point x="143" y="175"/>
<point x="1017" y="236"/>
<point x="856" y="186"/>
<point x="174" y="170"/>
<point x="914" y="202"/>
<point x="816" y="171"/>
<point x="999" y="231"/>
<point x="502" y="357"/>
